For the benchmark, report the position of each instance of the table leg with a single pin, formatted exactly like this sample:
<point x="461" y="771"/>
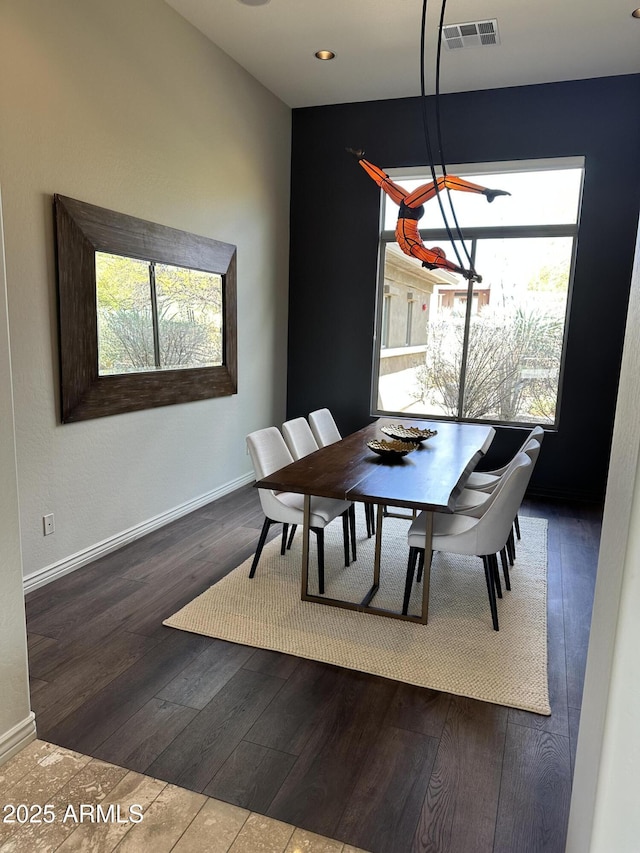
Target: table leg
<point x="365" y="604"/>
<point x="378" y="551"/>
<point x="426" y="577"/>
<point x="305" y="547"/>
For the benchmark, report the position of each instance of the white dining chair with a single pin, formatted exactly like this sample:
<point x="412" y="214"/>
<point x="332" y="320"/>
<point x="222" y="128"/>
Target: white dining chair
<point x="299" y="438"/>
<point x="488" y="441"/>
<point x="325" y="431"/>
<point x="269" y="453"/>
<point x="324" y="427"/>
<point x="486" y="481"/>
<point x="475" y="503"/>
<point x="301" y="442"/>
<point x="483" y="537"/>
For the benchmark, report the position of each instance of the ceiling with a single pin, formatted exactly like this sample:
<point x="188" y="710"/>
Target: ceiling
<point x="377" y="44"/>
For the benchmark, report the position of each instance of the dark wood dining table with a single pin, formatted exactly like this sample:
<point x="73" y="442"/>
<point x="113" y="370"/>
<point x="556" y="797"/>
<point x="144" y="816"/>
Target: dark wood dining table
<point x="428" y="479"/>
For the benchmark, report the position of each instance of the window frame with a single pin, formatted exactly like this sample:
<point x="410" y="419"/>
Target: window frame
<point x="83" y="229"/>
<point x="472" y="234"/>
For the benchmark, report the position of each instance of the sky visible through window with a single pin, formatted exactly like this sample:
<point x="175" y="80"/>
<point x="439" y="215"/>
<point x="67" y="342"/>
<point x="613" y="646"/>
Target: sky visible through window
<point x="549" y="197"/>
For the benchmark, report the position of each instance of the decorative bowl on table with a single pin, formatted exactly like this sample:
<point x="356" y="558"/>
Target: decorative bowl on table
<point x="391" y="448"/>
<point x="404" y="433"/>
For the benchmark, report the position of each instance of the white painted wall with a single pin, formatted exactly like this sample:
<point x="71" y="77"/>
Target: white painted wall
<point x="15" y="718"/>
<point x="125" y="105"/>
<point x="604" y="813"/>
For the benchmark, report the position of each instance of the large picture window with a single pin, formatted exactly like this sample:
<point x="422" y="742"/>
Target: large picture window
<point x="488" y="351"/>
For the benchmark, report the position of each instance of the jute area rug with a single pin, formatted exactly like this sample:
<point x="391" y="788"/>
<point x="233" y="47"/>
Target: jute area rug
<point x="457" y="651"/>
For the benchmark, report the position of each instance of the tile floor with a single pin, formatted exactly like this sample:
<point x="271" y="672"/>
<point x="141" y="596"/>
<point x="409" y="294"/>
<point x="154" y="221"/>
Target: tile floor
<point x="173" y="819"/>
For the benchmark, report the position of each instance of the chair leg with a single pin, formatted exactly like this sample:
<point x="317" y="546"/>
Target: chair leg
<point x="505" y="568"/>
<point x="488" y="575"/>
<point x="352" y="528"/>
<point x="370" y="516"/>
<point x="421" y="566"/>
<point x="411" y="568"/>
<point x="263" y="538"/>
<point x="497" y="590"/>
<point x="511" y="549"/>
<point x="345" y="535"/>
<point x="516" y="524"/>
<point x="503" y="556"/>
<point x="283" y="546"/>
<point x="291" y="535"/>
<point x="320" y="542"/>
<point x="493" y="564"/>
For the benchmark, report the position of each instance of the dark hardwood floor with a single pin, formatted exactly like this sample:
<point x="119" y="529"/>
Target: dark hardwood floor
<point x="381" y="765"/>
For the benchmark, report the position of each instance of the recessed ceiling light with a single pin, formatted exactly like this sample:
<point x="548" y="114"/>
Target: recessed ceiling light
<point x="253" y="2"/>
<point x="636" y="13"/>
<point x="324" y="54"/>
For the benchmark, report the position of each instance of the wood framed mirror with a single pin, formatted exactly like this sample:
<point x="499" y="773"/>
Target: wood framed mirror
<point x="146" y="313"/>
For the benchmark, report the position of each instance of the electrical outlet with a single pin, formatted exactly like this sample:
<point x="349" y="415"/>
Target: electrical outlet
<point x="48" y="524"/>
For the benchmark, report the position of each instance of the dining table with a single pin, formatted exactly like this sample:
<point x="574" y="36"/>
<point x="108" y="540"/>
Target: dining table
<point x="428" y="479"/>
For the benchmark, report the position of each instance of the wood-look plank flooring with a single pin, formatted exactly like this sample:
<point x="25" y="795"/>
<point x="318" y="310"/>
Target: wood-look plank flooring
<point x="374" y="763"/>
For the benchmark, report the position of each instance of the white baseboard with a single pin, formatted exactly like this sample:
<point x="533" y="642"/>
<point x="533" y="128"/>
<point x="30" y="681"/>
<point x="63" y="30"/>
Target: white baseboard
<point x="17" y="738"/>
<point x="93" y="552"/>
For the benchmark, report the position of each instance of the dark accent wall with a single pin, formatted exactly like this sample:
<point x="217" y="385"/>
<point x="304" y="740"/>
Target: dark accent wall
<point x="334" y="231"/>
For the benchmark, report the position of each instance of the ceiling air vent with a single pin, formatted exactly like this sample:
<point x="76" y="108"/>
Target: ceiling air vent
<point x="471" y="34"/>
